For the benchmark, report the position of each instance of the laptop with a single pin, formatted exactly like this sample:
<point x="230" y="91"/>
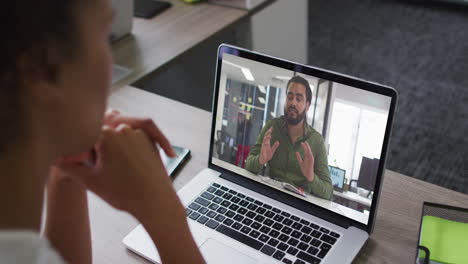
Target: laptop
<point x="337" y="176"/>
<point x="241" y="215"/>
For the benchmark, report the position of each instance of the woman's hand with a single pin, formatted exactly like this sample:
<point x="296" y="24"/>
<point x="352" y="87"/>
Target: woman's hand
<point x="113" y="118"/>
<point x="127" y="172"/>
<point x="124" y="163"/>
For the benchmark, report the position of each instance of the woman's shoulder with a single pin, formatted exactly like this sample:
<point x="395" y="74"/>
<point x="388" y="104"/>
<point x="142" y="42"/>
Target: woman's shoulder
<point x="22" y="246"/>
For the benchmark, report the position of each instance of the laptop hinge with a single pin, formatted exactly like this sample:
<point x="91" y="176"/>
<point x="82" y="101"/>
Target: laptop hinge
<point x="287" y="199"/>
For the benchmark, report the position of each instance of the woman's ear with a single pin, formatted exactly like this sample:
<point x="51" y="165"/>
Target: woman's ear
<point x="39" y="86"/>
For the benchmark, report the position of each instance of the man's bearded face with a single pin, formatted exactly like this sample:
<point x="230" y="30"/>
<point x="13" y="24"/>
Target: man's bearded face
<point x="296" y="106"/>
<point x="293" y="117"/>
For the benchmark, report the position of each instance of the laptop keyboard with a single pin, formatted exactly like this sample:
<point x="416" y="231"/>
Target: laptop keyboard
<point x="261" y="226"/>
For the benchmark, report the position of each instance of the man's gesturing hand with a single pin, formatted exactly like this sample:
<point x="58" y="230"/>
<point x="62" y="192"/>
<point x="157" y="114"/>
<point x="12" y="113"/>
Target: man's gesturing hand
<point x="306" y="164"/>
<point x="267" y="150"/>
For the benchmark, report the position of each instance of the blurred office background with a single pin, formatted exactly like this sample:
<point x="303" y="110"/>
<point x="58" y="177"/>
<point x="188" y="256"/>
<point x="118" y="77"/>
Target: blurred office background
<point x="418" y="47"/>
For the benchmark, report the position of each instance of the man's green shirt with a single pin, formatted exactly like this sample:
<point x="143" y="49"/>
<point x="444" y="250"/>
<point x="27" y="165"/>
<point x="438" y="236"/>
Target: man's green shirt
<point x="284" y="165"/>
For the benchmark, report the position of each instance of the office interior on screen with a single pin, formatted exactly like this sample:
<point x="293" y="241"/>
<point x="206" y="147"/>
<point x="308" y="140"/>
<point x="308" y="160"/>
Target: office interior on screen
<point x="351" y="121"/>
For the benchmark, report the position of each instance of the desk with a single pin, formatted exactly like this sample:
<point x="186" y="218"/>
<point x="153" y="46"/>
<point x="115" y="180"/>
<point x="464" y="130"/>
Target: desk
<point x="353" y="197"/>
<point x="156" y="42"/>
<point x="396" y="229"/>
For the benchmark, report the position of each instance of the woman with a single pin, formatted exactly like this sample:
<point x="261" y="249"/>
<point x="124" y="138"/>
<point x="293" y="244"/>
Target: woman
<point x="54" y="80"/>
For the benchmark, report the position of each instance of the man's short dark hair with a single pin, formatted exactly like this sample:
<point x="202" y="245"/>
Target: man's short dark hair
<point x="37" y="36"/>
<point x="300" y="80"/>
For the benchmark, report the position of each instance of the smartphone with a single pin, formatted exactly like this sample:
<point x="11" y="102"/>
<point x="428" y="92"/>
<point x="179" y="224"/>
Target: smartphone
<point x="149" y="8"/>
<point x="172" y="164"/>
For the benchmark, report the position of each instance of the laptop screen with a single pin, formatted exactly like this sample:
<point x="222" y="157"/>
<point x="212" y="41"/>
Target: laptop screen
<point x="284" y="128"/>
<point x="337" y="177"/>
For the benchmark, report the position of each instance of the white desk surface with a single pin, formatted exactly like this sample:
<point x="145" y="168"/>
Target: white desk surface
<point x="155" y="42"/>
<point x="354" y="197"/>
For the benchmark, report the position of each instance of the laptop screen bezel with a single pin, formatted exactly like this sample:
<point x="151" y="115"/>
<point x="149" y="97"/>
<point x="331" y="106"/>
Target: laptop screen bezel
<point x="319" y="73"/>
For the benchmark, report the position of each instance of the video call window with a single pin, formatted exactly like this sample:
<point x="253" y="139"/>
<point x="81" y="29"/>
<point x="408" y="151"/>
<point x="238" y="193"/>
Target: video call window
<point x="345" y="128"/>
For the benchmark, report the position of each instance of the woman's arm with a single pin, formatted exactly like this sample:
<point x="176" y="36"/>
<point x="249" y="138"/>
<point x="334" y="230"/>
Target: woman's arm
<point x="130" y="176"/>
<point x="169" y="230"/>
<point x="67" y="222"/>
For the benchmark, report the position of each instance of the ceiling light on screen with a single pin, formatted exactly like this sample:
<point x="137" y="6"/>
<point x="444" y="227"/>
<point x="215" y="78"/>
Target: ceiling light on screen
<point x="261" y="100"/>
<point x="286" y="78"/>
<point x="246" y="71"/>
<point x="247" y="74"/>
<point x="262" y="89"/>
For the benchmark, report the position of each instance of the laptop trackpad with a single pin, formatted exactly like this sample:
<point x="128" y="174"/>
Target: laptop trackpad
<point x="215" y="252"/>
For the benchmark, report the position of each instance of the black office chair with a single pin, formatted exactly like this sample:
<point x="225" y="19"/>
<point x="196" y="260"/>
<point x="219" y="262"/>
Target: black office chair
<point x="367" y="175"/>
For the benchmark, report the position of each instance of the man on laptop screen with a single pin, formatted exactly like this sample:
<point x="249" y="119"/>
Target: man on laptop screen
<point x="284" y="128"/>
<point x="298" y="155"/>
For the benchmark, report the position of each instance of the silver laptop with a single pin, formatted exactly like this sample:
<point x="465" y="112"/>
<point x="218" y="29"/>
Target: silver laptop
<point x="263" y="202"/>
